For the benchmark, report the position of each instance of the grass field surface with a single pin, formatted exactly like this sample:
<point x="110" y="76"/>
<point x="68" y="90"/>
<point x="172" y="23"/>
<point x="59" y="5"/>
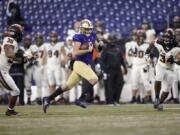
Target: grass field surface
<point x="95" y="120"/>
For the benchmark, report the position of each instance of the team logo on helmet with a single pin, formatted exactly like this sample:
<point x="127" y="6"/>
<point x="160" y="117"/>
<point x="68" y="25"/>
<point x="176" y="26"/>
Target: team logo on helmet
<point x="86" y="27"/>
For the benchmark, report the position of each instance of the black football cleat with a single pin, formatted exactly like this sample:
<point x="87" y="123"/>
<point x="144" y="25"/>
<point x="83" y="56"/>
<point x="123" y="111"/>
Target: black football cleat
<point x="160" y="107"/>
<point x="156" y="103"/>
<point x="133" y="100"/>
<point x="81" y="103"/>
<point x="39" y="101"/>
<point x="46" y="104"/>
<point x="11" y="112"/>
<point x="29" y="102"/>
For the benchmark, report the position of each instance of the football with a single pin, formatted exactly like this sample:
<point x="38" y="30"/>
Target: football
<point x="84" y="46"/>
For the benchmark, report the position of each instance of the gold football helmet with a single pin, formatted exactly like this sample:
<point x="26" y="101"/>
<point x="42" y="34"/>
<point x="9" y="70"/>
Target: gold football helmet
<point x="86" y="27"/>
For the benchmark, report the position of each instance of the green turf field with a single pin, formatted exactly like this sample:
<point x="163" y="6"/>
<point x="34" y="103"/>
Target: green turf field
<point x="95" y="120"/>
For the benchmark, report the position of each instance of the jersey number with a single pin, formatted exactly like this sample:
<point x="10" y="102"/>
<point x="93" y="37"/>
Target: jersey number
<point x="50" y="53"/>
<point x="39" y="54"/>
<point x="162" y="58"/>
<point x="10" y="41"/>
<point x="139" y="54"/>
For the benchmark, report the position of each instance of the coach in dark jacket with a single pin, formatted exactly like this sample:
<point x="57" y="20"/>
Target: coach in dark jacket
<point x="17" y="73"/>
<point x="111" y="62"/>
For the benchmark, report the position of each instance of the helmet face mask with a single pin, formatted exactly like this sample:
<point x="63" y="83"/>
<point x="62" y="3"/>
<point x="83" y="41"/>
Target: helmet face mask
<point x="140" y="37"/>
<point x="167" y="38"/>
<point x="86" y="27"/>
<point x="39" y="40"/>
<point x="16" y="32"/>
<point x="53" y="37"/>
<point x="177" y="34"/>
<point x="27" y="41"/>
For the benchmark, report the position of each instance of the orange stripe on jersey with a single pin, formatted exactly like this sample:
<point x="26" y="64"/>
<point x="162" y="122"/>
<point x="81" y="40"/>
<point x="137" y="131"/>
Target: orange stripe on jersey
<point x="96" y="54"/>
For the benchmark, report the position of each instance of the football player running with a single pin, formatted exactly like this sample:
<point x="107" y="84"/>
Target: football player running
<point x="7" y="54"/>
<point x="83" y="44"/>
<point x="164" y="68"/>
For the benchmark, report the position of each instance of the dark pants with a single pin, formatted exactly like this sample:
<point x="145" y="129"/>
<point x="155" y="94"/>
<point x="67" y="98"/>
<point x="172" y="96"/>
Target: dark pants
<point x="87" y="91"/>
<point x="19" y="80"/>
<point x="113" y="86"/>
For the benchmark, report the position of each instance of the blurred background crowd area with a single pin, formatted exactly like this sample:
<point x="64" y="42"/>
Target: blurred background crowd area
<point x="117" y="16"/>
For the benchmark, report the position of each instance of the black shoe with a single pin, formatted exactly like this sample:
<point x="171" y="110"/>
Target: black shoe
<point x="143" y="101"/>
<point x="149" y="100"/>
<point x="39" y="101"/>
<point x="156" y="103"/>
<point x="46" y="104"/>
<point x="160" y="107"/>
<point x="116" y="104"/>
<point x="96" y="99"/>
<point x="28" y="102"/>
<point x="175" y="101"/>
<point x="170" y="100"/>
<point x="133" y="100"/>
<point x="138" y="100"/>
<point x="11" y="112"/>
<point x="81" y="103"/>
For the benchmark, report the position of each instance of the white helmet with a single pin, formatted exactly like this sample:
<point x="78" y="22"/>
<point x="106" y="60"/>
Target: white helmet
<point x="86" y="27"/>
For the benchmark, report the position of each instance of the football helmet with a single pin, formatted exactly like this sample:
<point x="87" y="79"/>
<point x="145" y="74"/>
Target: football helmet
<point x="176" y="22"/>
<point x="141" y="36"/>
<point x="141" y="33"/>
<point x="39" y="39"/>
<point x="177" y="36"/>
<point x="15" y="31"/>
<point x="27" y="41"/>
<point x="134" y="34"/>
<point x="53" y="36"/>
<point x="86" y="27"/>
<point x="168" y="37"/>
<point x="168" y="40"/>
<point x="177" y="31"/>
